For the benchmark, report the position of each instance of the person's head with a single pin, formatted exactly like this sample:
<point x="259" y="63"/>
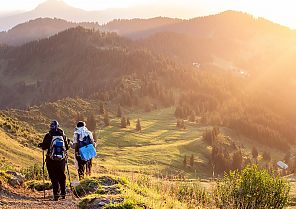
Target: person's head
<point x="54" y="125"/>
<point x="80" y="124"/>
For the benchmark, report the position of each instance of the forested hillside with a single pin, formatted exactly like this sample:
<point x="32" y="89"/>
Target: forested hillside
<point x="223" y="88"/>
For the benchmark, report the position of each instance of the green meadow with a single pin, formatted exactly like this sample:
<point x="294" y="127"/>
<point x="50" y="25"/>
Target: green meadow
<point x="159" y="147"/>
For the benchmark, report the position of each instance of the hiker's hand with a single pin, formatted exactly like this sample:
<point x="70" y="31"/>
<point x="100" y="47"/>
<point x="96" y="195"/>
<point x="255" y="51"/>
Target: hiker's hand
<point x="72" y="145"/>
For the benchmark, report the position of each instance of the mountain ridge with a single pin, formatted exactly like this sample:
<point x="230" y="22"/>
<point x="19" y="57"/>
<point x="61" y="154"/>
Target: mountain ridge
<point x="51" y="9"/>
<point x="138" y="28"/>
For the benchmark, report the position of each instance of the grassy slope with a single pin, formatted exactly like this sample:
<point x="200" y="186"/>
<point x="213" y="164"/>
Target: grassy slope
<point x="17" y="141"/>
<point x="13" y="154"/>
<point x="158" y="147"/>
<point x="161" y="147"/>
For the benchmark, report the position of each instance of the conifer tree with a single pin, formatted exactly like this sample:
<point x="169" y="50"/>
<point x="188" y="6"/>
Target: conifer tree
<point x="192" y="117"/>
<point x="185" y="161"/>
<point x="123" y="122"/>
<point x="178" y="125"/>
<point x="192" y="161"/>
<point x="215" y="132"/>
<point x="179" y="112"/>
<point x="119" y="112"/>
<point x="138" y="126"/>
<point x="106" y="119"/>
<point x="101" y="109"/>
<point x="91" y="122"/>
<point x="255" y="153"/>
<point x="183" y="124"/>
<point x="266" y="156"/>
<point x="237" y="160"/>
<point x="128" y="123"/>
<point x="287" y="157"/>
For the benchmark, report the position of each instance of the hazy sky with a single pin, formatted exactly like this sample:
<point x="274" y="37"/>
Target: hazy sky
<point x="280" y="11"/>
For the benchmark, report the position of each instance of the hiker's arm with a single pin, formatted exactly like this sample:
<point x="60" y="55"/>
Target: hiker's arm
<point x="46" y="142"/>
<point x="92" y="139"/>
<point x="76" y="149"/>
<point x="66" y="142"/>
<point x="75" y="144"/>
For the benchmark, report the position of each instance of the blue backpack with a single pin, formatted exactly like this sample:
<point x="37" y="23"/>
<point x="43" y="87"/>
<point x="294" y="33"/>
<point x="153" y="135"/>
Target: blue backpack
<point x="87" y="150"/>
<point x="86" y="141"/>
<point x="57" y="150"/>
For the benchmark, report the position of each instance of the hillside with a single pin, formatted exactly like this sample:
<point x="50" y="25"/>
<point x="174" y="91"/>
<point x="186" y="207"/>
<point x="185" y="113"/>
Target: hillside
<point x="159" y="148"/>
<point x="90" y="64"/>
<point x="143" y="166"/>
<point x="18" y="143"/>
<point x="68" y="70"/>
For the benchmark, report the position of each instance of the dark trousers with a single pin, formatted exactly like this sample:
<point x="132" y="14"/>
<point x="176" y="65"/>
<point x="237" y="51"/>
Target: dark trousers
<point x="88" y="167"/>
<point x="56" y="172"/>
<point x="83" y="167"/>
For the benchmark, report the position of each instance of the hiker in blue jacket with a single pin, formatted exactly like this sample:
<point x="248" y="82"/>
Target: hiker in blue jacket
<point x="55" y="142"/>
<point x="80" y="133"/>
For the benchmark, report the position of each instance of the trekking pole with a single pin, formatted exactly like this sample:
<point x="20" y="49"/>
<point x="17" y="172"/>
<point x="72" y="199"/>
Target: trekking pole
<point x="69" y="174"/>
<point x="43" y="174"/>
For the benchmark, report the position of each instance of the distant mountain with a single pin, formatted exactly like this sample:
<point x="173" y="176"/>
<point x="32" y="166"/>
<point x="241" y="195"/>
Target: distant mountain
<point x="38" y="29"/>
<point x="61" y="10"/>
<point x="51" y="9"/>
<point x="45" y="27"/>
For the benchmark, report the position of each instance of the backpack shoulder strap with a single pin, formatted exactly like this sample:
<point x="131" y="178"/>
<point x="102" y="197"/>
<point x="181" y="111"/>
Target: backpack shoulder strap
<point x="78" y="136"/>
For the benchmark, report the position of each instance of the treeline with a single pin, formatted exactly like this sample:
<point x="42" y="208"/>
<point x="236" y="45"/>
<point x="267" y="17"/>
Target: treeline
<point x="226" y="155"/>
<point x="253" y="120"/>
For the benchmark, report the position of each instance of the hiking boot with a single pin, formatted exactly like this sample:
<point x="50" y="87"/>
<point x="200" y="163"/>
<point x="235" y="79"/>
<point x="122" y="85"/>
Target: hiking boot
<point x="55" y="198"/>
<point x="63" y="196"/>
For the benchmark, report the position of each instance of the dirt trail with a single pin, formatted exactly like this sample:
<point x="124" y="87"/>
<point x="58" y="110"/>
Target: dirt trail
<point x="27" y="199"/>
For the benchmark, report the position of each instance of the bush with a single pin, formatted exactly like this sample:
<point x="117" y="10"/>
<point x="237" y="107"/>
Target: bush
<point x="251" y="188"/>
<point x="86" y="186"/>
<point x="38" y="185"/>
<point x="127" y="204"/>
<point x="34" y="172"/>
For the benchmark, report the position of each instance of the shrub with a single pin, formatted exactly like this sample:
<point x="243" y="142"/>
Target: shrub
<point x="251" y="188"/>
<point x="127" y="204"/>
<point x="34" y="172"/>
<point x="38" y="185"/>
<point x="86" y="186"/>
<point x="4" y="177"/>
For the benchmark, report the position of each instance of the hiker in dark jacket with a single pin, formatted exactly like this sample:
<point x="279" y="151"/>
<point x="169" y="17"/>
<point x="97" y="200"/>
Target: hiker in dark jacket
<point x="56" y="159"/>
<point x="83" y="166"/>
